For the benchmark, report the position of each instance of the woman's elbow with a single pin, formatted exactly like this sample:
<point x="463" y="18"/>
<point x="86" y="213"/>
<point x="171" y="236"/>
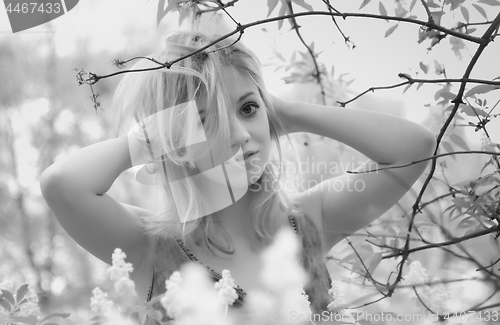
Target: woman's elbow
<point x="50" y="182"/>
<point x="426" y="145"/>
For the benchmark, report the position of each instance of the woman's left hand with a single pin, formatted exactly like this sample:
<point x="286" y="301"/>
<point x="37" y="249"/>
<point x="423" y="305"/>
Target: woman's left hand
<point x="283" y="110"/>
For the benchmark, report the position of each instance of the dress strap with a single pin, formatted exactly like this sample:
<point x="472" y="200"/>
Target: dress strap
<point x="293" y="222"/>
<point x="150" y="293"/>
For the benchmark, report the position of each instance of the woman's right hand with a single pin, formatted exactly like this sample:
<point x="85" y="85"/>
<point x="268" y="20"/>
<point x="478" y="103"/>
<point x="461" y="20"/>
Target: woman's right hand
<point x="75" y="190"/>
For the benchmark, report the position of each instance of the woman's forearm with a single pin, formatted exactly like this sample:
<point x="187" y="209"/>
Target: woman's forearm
<point x="383" y="138"/>
<point x="93" y="168"/>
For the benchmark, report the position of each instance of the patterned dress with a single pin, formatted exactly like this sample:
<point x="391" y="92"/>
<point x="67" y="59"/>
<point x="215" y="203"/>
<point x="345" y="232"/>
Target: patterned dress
<point x="177" y="253"/>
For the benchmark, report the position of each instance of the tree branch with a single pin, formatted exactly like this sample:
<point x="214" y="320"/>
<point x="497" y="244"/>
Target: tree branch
<point x="485" y="40"/>
<point x="242" y="27"/>
<point x="434" y="157"/>
<point x="422" y="81"/>
<point x="317" y="75"/>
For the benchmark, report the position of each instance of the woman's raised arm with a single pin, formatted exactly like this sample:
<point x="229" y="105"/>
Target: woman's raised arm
<point x="75" y="189"/>
<point x="342" y="205"/>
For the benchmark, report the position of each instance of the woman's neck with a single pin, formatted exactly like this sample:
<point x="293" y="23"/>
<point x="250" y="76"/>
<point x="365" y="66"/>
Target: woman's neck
<point x="235" y="219"/>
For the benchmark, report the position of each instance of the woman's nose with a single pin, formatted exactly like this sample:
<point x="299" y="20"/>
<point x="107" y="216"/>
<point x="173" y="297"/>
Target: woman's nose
<point x="239" y="132"/>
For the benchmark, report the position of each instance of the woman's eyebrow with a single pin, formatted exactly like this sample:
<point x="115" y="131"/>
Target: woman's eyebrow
<point x="246" y="95"/>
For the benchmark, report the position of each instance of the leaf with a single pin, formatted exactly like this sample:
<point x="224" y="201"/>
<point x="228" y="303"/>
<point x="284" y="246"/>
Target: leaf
<point x="480" y="10"/>
<point x="62" y="315"/>
<point x="374" y="262"/>
<point x="460" y="202"/>
<point x="303" y="4"/>
<point x="348" y="258"/>
<point x="490" y="2"/>
<point x="407" y="87"/>
<point x="467" y="223"/>
<point x="21" y="292"/>
<point x="271" y="4"/>
<point x="432" y="4"/>
<point x="465" y="13"/>
<point x="5" y="304"/>
<point x="455" y="4"/>
<point x="449" y="148"/>
<point x="470" y="111"/>
<point x="459" y="141"/>
<point x="391" y="30"/>
<point x="382" y="9"/>
<point x="412" y="4"/>
<point x="159" y="12"/>
<point x="481" y="89"/>
<point x="489" y="162"/>
<point x="445" y="94"/>
<point x="31" y="320"/>
<point x="8" y="296"/>
<point x="365" y="2"/>
<point x="283" y="11"/>
<point x="423" y="67"/>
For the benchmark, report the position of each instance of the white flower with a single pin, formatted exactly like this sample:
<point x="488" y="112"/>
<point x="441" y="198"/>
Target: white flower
<point x="226" y="288"/>
<point x="171" y="300"/>
<point x="434" y="296"/>
<point x="7" y="285"/>
<point x="416" y="275"/>
<point x="260" y="307"/>
<point x="486" y="144"/>
<point x="194" y="300"/>
<point x="30" y="308"/>
<point x="119" y="272"/>
<point x="99" y="302"/>
<point x="337" y="293"/>
<point x="281" y="266"/>
<point x="295" y="301"/>
<point x="114" y="317"/>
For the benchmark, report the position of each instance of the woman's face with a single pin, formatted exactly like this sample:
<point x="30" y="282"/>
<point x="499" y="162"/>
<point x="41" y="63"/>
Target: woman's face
<point x="249" y="127"/>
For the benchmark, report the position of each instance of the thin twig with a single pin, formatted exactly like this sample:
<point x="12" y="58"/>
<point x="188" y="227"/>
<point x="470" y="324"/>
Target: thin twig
<point x="317" y="74"/>
<point x="427" y="10"/>
<point x="411" y="80"/>
<point x="447" y="243"/>
<point x="330" y="8"/>
<point x="493" y="153"/>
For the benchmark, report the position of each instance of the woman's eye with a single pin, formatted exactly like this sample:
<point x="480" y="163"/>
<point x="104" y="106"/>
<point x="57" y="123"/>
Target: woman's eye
<point x="248" y="108"/>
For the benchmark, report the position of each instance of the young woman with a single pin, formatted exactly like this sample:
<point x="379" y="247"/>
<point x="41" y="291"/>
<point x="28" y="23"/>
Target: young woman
<point x="238" y="118"/>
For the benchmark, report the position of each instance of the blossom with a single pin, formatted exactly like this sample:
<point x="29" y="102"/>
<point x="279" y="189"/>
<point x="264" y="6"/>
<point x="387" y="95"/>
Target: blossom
<point x="260" y="307"/>
<point x="192" y="298"/>
<point x="99" y="302"/>
<point x="337" y="293"/>
<point x="119" y="272"/>
<point x="295" y="301"/>
<point x="114" y="317"/>
<point x="281" y="266"/>
<point x="226" y="288"/>
<point x="170" y="300"/>
<point x="30" y="308"/>
<point x="416" y="275"/>
<point x="434" y="296"/>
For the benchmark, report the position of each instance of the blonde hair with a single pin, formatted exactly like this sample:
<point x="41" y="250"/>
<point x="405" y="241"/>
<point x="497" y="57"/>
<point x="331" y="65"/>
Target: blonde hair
<point x="143" y="94"/>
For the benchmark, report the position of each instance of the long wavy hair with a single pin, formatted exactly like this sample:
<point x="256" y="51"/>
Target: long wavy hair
<point x="199" y="77"/>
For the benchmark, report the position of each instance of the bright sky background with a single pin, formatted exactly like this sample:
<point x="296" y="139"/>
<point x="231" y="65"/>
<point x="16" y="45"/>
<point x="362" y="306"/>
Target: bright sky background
<point x="376" y="61"/>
